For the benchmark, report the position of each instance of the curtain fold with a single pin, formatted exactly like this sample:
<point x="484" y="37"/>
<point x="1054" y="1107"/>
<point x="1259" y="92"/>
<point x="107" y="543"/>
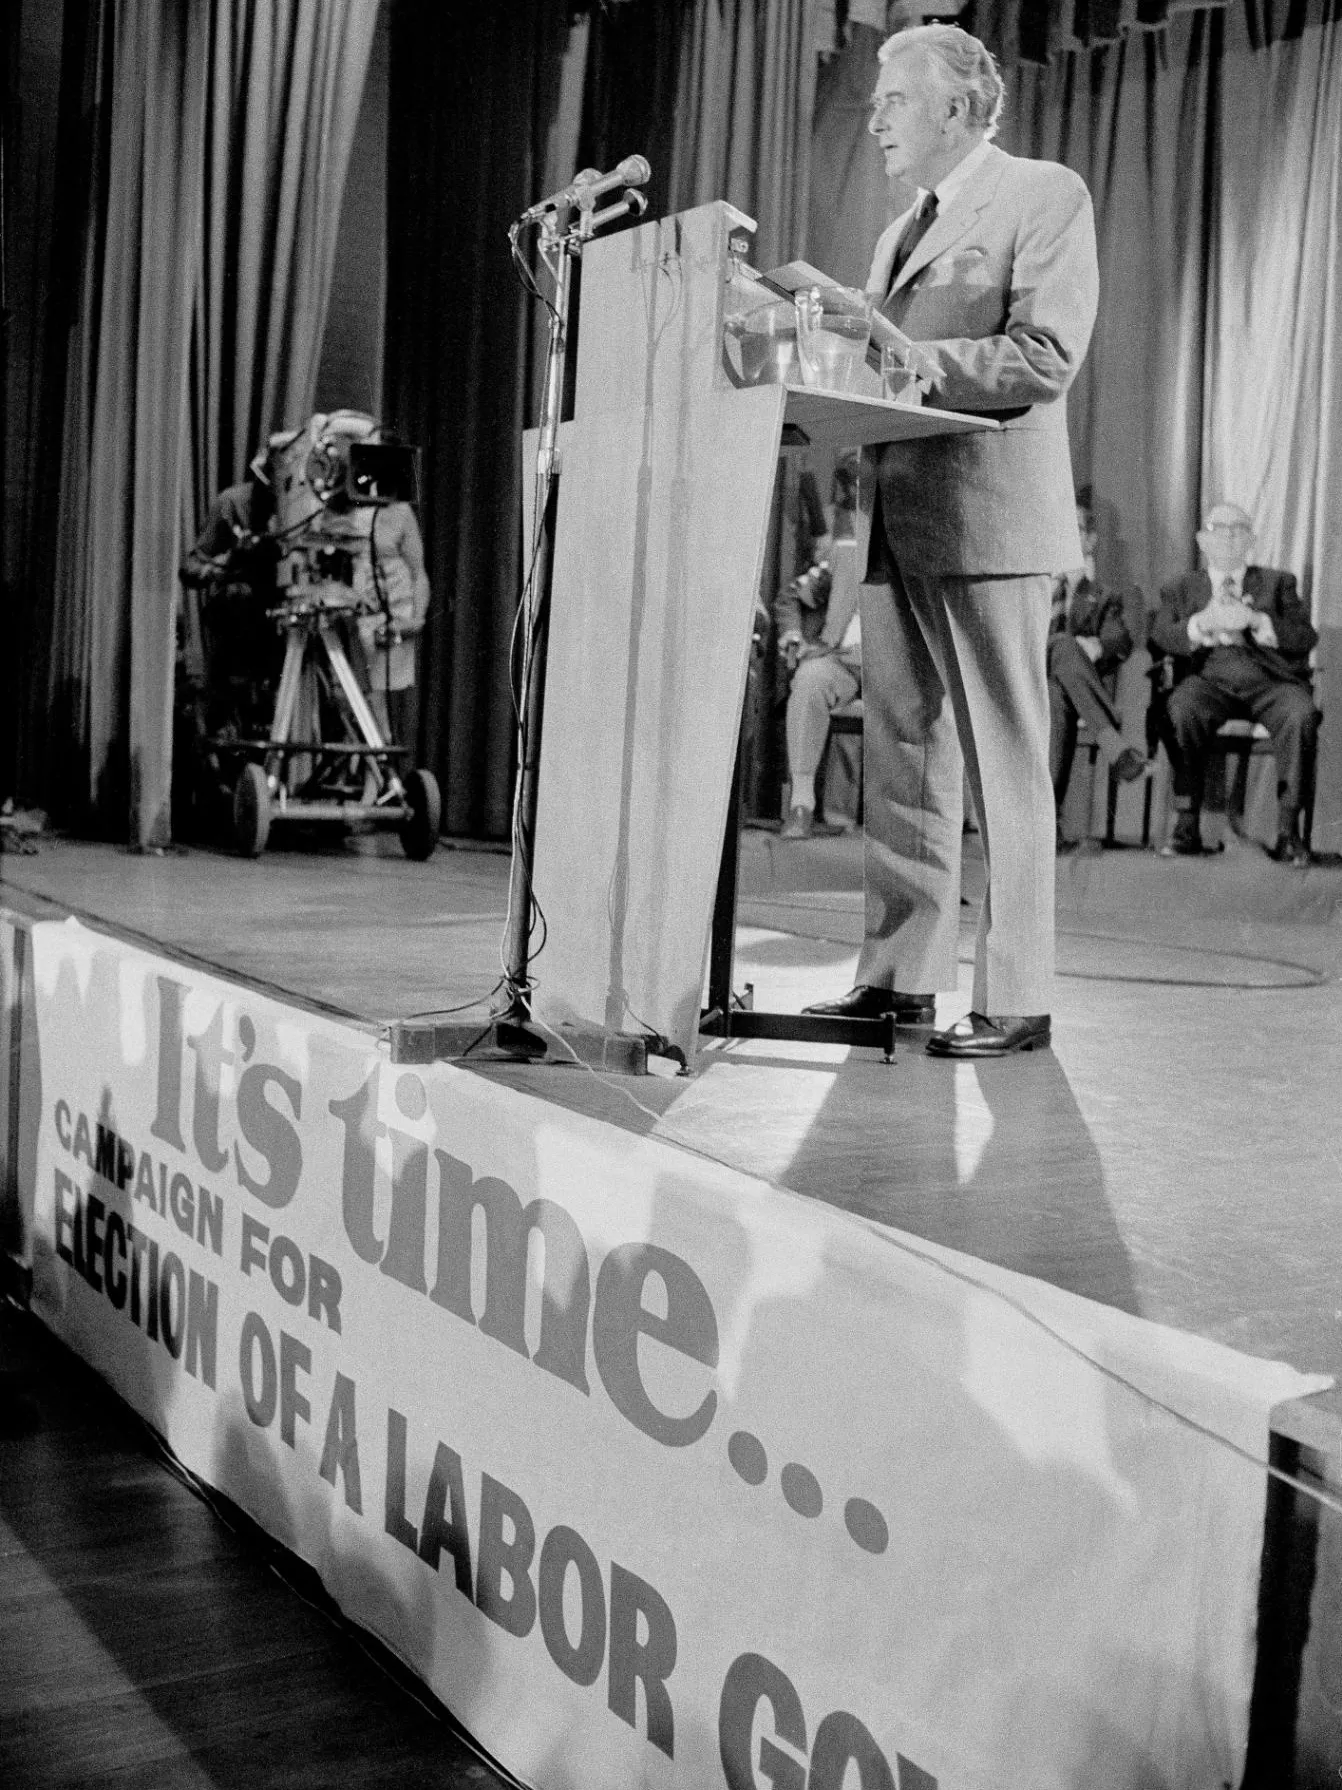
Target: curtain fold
<point x="1138" y="122"/>
<point x="284" y="80"/>
<point x="1274" y="432"/>
<point x="125" y="433"/>
<point x="220" y="136"/>
<point x="743" y="109"/>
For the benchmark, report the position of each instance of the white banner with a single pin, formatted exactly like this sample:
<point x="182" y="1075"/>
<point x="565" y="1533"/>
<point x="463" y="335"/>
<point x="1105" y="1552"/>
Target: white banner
<point x="656" y="1474"/>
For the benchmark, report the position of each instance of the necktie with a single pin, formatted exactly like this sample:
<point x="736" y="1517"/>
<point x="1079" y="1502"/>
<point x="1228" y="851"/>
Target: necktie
<point x="914" y="232"/>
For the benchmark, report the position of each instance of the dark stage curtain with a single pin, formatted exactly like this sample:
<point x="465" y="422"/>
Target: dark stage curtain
<point x="284" y="79"/>
<point x="745" y="100"/>
<point x="215" y="140"/>
<point x="125" y="425"/>
<point x="471" y="94"/>
<point x="49" y="158"/>
<point x="717" y="95"/>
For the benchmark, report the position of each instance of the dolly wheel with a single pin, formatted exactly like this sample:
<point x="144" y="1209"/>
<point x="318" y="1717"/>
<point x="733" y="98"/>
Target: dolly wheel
<point x="251" y="811"/>
<point x="419" y="833"/>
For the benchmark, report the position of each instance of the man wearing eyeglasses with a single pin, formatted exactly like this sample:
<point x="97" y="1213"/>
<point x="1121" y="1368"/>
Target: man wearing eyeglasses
<point x="1239" y="640"/>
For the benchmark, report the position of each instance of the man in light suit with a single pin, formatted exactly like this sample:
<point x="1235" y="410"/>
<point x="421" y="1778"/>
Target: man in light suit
<point x="820" y="640"/>
<point x="1239" y="639"/>
<point x="994" y="276"/>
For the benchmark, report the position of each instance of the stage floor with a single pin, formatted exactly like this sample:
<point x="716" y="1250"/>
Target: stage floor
<point x="1178" y="1154"/>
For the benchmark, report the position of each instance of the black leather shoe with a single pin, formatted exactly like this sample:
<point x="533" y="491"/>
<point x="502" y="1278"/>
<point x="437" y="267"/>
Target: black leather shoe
<point x="1290" y="849"/>
<point x="865" y="1002"/>
<point x="978" y="1036"/>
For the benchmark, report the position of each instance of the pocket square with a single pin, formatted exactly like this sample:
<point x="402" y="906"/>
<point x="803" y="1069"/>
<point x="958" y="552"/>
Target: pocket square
<point x="957" y="267"/>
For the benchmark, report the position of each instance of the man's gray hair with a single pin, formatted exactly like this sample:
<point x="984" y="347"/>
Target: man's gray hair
<point x="966" y="68"/>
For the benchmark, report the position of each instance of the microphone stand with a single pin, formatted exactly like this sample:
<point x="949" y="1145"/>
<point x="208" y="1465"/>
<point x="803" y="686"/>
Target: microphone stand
<point x="512" y="1023"/>
<point x="509" y="1030"/>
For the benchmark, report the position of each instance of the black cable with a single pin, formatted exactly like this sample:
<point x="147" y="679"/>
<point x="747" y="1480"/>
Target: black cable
<point x="384" y="604"/>
<point x="525" y="275"/>
<point x="465" y="1007"/>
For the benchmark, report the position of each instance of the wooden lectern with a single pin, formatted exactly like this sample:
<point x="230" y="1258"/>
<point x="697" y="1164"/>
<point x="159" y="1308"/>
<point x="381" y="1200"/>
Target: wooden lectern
<point x="667" y="477"/>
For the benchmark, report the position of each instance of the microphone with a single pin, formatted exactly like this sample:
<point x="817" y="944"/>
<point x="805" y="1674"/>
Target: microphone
<point x="589" y="185"/>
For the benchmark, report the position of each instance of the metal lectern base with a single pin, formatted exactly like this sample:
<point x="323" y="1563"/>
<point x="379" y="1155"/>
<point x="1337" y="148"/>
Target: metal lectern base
<point x="742" y="1021"/>
<point x="505" y="1039"/>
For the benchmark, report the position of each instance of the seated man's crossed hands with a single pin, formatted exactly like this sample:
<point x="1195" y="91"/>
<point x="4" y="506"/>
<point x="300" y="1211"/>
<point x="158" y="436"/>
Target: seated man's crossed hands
<point x="1226" y="619"/>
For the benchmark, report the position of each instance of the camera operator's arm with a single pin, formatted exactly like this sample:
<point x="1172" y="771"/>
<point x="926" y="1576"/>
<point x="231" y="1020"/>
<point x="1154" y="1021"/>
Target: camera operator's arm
<point x="227" y="530"/>
<point x="210" y="553"/>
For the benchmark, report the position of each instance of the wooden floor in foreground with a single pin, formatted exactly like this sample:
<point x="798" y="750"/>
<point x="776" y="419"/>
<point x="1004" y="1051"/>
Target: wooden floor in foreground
<point x="149" y="1641"/>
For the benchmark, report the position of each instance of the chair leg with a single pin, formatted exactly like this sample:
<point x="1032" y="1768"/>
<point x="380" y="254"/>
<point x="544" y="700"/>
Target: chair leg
<point x="1111" y="808"/>
<point x="1237" y="790"/>
<point x="1307" y="792"/>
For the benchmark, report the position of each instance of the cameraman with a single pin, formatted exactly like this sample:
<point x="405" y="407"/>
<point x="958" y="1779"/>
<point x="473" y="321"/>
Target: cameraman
<point x="234" y="548"/>
<point x="228" y="647"/>
<point x="391" y="580"/>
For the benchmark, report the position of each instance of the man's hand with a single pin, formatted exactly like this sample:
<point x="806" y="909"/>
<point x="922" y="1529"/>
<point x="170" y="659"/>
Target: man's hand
<point x="1262" y="629"/>
<point x="1090" y="646"/>
<point x="203" y="568"/>
<point x="1223" y="622"/>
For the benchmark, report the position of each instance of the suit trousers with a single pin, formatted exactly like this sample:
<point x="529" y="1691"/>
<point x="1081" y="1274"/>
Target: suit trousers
<point x="954" y="688"/>
<point x="1233" y="683"/>
<point x="1077" y="692"/>
<point x="819" y="684"/>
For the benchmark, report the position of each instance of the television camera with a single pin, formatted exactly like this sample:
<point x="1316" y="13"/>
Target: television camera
<point x="325" y="759"/>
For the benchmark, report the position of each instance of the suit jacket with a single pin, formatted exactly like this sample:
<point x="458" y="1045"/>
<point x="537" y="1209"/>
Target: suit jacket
<point x="1272" y="592"/>
<point x="1003" y="287"/>
<point x="1096" y="611"/>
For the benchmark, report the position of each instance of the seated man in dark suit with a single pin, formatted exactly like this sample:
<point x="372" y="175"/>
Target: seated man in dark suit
<point x="1088" y="641"/>
<point x="1240" y="641"/>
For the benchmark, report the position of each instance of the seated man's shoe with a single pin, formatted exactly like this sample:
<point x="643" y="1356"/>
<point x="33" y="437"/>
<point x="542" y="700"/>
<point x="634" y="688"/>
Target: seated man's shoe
<point x="1129" y="765"/>
<point x="978" y="1036"/>
<point x="1186" y="839"/>
<point x="800" y="824"/>
<point x="865" y="1002"/>
<point x="1290" y="849"/>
